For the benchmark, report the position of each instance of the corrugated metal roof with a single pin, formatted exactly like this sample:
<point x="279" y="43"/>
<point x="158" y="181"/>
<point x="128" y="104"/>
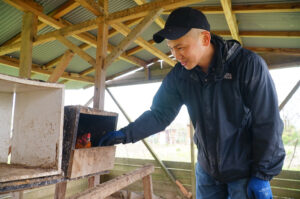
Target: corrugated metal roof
<point x="10" y="21"/>
<point x="79" y="15"/>
<point x="117" y="5"/>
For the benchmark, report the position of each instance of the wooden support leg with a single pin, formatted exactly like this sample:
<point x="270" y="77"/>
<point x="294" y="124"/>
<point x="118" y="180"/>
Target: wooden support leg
<point x="60" y="190"/>
<point x="148" y="189"/>
<point x="17" y="195"/>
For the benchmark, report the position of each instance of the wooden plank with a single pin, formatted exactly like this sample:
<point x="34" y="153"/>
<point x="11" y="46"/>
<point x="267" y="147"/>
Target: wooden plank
<point x="6" y="105"/>
<point x="61" y="67"/>
<point x="30" y="125"/>
<point x="285" y="174"/>
<point x="14" y="63"/>
<point x="139" y="29"/>
<point x="251" y="8"/>
<point x="138" y="48"/>
<point x="11" y="172"/>
<point x="105" y="189"/>
<point x="284" y="183"/>
<point x="148" y="188"/>
<point x="142" y="10"/>
<point x="77" y="50"/>
<point x="18" y="195"/>
<point x="286" y="193"/>
<point x="91" y="160"/>
<point x="27" y="37"/>
<point x="92" y="6"/>
<point x="231" y="19"/>
<point x="140" y="41"/>
<point x="60" y="190"/>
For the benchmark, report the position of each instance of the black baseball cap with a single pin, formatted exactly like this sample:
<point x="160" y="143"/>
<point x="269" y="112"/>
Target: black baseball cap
<point x="181" y="21"/>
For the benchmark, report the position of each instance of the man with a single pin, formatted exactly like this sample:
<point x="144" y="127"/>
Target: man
<point x="232" y="102"/>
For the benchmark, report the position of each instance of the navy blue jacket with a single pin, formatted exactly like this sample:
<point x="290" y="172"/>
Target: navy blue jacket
<point x="234" y="111"/>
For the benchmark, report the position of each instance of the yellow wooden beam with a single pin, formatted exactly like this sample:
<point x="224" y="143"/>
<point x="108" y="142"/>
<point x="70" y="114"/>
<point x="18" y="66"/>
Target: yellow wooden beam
<point x="252" y="8"/>
<point x="140" y="41"/>
<point x="147" y="21"/>
<point x="142" y="10"/>
<point x="159" y="21"/>
<point x="92" y="6"/>
<point x="27" y="37"/>
<point x="77" y="50"/>
<point x="61" y="67"/>
<point x="14" y="63"/>
<point x="231" y="20"/>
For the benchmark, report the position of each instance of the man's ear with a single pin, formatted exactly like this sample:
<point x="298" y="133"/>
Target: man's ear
<point x="206" y="38"/>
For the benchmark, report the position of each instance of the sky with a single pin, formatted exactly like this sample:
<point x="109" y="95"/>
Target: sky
<point x="137" y="99"/>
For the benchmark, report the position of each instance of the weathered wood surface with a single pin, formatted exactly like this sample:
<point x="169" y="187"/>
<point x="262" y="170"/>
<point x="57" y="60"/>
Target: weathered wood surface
<point x="105" y="189"/>
<point x="286" y="184"/>
<point x="91" y="160"/>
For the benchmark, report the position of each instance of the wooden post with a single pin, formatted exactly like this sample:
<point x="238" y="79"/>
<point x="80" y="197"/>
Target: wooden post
<point x="28" y="34"/>
<point x="148" y="188"/>
<point x="61" y="67"/>
<point x="60" y="190"/>
<point x="100" y="73"/>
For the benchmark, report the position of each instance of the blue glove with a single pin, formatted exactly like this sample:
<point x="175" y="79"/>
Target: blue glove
<point x="111" y="138"/>
<point x="259" y="189"/>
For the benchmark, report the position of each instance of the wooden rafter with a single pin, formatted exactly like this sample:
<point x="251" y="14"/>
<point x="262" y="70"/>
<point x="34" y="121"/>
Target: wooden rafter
<point x="85" y="37"/>
<point x="142" y="10"/>
<point x="140" y="41"/>
<point x="231" y="20"/>
<point x="77" y="50"/>
<point x="159" y="21"/>
<point x="56" y="14"/>
<point x="92" y="6"/>
<point x="253" y="8"/>
<point x="61" y="67"/>
<point x="132" y="36"/>
<point x="56" y="60"/>
<point x="27" y="37"/>
<point x="14" y="63"/>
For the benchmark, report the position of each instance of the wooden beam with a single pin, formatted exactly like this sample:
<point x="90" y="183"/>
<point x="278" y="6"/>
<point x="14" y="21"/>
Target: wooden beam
<point x="14" y="63"/>
<point x="100" y="70"/>
<point x="107" y="188"/>
<point x="253" y="8"/>
<point x="287" y="51"/>
<point x="60" y="190"/>
<point x="28" y="35"/>
<point x="148" y="187"/>
<point x="57" y="13"/>
<point x="56" y="60"/>
<point x="92" y="6"/>
<point x="138" y="48"/>
<point x="159" y="21"/>
<point x="61" y="67"/>
<point x="231" y="20"/>
<point x="142" y="10"/>
<point x="140" y="41"/>
<point x="77" y="50"/>
<point x="147" y="21"/>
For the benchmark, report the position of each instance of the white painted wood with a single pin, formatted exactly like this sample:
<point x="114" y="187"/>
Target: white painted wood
<point x="11" y="84"/>
<point x="37" y="137"/>
<point x="6" y="100"/>
<point x="16" y="172"/>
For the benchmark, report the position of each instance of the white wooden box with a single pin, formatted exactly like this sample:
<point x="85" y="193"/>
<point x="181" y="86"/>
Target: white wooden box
<point x="35" y="118"/>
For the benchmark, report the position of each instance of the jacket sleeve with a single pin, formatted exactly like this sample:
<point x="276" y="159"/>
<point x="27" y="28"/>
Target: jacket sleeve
<point x="165" y="107"/>
<point x="260" y="97"/>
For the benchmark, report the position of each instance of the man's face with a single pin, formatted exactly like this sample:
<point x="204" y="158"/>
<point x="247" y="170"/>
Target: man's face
<point x="188" y="49"/>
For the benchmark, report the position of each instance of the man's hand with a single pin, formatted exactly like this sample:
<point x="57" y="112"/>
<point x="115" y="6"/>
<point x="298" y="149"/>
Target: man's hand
<point x="259" y="189"/>
<point x="111" y="138"/>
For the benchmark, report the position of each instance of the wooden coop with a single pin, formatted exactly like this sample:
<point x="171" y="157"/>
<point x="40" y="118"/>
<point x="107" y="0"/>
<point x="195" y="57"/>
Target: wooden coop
<point x="47" y="46"/>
